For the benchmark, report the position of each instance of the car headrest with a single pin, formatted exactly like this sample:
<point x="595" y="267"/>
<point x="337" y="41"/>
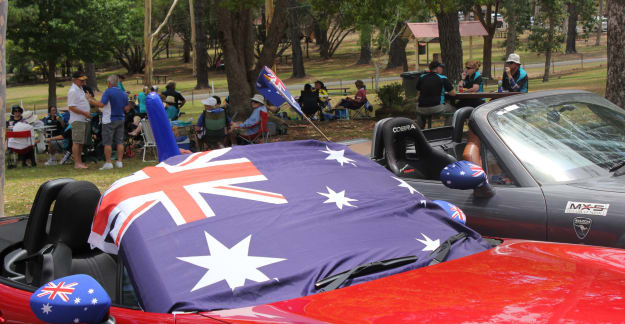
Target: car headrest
<point x="73" y="214"/>
<point x="460" y="116"/>
<point x="377" y="142"/>
<point x="396" y="132"/>
<point x="35" y="234"/>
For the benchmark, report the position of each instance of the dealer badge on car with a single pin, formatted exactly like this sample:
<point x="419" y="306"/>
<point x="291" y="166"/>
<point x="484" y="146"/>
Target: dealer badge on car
<point x="582" y="226"/>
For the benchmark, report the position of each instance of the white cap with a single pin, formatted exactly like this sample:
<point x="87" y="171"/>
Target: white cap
<point x="515" y="58"/>
<point x="210" y="101"/>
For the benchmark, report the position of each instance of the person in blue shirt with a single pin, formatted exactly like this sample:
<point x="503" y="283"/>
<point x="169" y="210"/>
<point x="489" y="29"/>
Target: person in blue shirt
<point x="431" y="88"/>
<point x="113" y="104"/>
<point x="141" y="98"/>
<point x="212" y="125"/>
<point x="250" y="127"/>
<point x="514" y="76"/>
<point x="170" y="108"/>
<point x="471" y="82"/>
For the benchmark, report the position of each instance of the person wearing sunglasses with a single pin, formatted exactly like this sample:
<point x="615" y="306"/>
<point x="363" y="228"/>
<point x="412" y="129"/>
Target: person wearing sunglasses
<point x="471" y="82"/>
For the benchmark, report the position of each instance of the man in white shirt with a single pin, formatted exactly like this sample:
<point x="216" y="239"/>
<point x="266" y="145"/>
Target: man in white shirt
<point x="79" y="115"/>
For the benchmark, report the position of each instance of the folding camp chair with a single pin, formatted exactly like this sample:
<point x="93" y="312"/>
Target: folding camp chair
<point x="148" y="138"/>
<point x="263" y="132"/>
<point x="362" y="111"/>
<point x="24" y="153"/>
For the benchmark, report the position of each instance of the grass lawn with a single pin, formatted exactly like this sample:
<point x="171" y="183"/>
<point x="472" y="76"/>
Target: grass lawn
<point x="22" y="183"/>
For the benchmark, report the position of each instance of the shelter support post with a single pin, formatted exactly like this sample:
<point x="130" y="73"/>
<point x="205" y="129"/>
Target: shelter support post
<point x="470" y="47"/>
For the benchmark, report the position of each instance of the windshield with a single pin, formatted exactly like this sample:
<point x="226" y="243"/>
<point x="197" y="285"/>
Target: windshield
<point x="563" y="138"/>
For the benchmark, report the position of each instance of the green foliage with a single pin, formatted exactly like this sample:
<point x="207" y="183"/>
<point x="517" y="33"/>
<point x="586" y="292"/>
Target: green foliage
<point x="391" y="95"/>
<point x="547" y="31"/>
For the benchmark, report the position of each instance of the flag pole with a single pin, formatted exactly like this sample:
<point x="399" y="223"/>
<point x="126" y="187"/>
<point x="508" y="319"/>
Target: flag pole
<point x="315" y="127"/>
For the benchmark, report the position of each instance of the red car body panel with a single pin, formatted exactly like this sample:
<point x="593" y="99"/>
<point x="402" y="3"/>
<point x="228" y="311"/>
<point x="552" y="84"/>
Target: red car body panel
<point x="517" y="281"/>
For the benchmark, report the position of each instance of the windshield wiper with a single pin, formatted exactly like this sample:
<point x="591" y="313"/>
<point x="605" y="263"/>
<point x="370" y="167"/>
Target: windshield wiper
<point x="617" y="166"/>
<point x="335" y="281"/>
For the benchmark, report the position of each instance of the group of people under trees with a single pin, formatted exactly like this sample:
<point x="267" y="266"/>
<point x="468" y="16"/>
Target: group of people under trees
<point x="315" y="101"/>
<point x="433" y="86"/>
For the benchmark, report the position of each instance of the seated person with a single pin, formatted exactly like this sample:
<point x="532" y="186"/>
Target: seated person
<point x="471" y="82"/>
<point x="431" y="88"/>
<point x="131" y="121"/>
<point x="514" y="76"/>
<point x="322" y="93"/>
<point x="309" y="101"/>
<point x="16" y="115"/>
<point x="212" y="125"/>
<point x="251" y="126"/>
<point x="170" y="108"/>
<point x="57" y="125"/>
<point x="23" y="146"/>
<point x="65" y="138"/>
<point x="359" y="99"/>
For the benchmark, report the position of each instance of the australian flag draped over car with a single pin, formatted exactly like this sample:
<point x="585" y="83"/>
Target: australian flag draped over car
<point x="256" y="224"/>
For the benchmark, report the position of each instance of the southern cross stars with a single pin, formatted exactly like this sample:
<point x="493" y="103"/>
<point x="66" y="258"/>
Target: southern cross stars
<point x="46" y="309"/>
<point x="429" y="244"/>
<point x="339" y="156"/>
<point x="232" y="265"/>
<point x="338" y="198"/>
<point x="404" y="184"/>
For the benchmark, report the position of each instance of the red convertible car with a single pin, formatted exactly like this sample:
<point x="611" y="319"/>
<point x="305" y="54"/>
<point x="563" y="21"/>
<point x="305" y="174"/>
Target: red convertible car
<point x="304" y="232"/>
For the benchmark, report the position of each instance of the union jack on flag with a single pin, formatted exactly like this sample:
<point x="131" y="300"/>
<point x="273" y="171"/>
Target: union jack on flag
<point x="179" y="188"/>
<point x="273" y="89"/>
<point x="458" y="214"/>
<point x="477" y="170"/>
<point x="273" y="78"/>
<point x="62" y="290"/>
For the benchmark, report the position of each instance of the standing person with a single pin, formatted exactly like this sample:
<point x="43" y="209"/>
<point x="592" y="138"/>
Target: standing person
<point x="57" y="126"/>
<point x="431" y="88"/>
<point x="170" y="90"/>
<point x="114" y="101"/>
<point x="79" y="116"/>
<point x="471" y="82"/>
<point x="141" y="99"/>
<point x="514" y="76"/>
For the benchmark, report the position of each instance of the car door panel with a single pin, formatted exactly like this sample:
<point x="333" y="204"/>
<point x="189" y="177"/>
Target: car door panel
<point x="513" y="212"/>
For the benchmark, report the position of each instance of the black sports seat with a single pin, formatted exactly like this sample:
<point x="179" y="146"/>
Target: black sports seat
<point x="427" y="162"/>
<point x="67" y="251"/>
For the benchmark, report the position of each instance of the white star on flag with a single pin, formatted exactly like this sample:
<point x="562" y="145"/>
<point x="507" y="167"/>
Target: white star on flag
<point x="429" y="244"/>
<point x="337" y="197"/>
<point x="85" y="309"/>
<point x="339" y="156"/>
<point x="232" y="265"/>
<point x="46" y="309"/>
<point x="90" y="291"/>
<point x="94" y="301"/>
<point x="405" y="184"/>
<point x="76" y="300"/>
<point x="462" y="173"/>
<point x="76" y="320"/>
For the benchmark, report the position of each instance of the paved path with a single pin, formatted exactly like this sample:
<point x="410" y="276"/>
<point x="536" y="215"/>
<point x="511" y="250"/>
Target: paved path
<point x="295" y="88"/>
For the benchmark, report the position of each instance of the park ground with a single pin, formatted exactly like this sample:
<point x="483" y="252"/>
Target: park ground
<point x="21" y="184"/>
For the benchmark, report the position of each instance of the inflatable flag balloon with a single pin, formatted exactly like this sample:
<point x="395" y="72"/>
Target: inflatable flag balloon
<point x="273" y="89"/>
<point x="161" y="127"/>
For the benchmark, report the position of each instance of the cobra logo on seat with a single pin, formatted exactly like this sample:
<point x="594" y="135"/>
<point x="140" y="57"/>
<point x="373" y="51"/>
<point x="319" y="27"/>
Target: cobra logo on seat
<point x="404" y="128"/>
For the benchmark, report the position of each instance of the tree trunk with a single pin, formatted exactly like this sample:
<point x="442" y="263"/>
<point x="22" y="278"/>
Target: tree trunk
<point x="600" y="14"/>
<point x="451" y="43"/>
<point x="186" y="51"/>
<point x="552" y="28"/>
<point x="201" y="46"/>
<point x="147" y="39"/>
<point x="3" y="87"/>
<point x="511" y="37"/>
<point x="365" y="44"/>
<point x="571" y="34"/>
<point x="397" y="52"/>
<point x="296" y="48"/>
<point x="322" y="40"/>
<point x="92" y="82"/>
<point x="193" y="43"/>
<point x="51" y="81"/>
<point x="238" y="46"/>
<point x="614" y="90"/>
<point x="488" y="55"/>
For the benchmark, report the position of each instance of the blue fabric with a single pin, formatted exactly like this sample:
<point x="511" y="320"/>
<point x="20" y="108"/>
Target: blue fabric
<point x="442" y="89"/>
<point x="72" y="299"/>
<point x="264" y="226"/>
<point x="463" y="175"/>
<point x="161" y="127"/>
<point x="522" y="75"/>
<point x="274" y="90"/>
<point x="118" y="100"/>
<point x="172" y="112"/>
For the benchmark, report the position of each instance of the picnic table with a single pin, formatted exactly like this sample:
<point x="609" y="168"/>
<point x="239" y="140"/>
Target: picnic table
<point x="159" y="77"/>
<point x="343" y="90"/>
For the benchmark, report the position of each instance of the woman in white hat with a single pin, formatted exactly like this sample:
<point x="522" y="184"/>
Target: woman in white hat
<point x="211" y="127"/>
<point x="514" y="77"/>
<point x="250" y="127"/>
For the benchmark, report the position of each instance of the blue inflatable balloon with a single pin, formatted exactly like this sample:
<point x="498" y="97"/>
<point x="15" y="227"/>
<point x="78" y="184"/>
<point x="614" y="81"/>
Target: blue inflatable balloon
<point x="453" y="211"/>
<point x="463" y="175"/>
<point x="161" y="127"/>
